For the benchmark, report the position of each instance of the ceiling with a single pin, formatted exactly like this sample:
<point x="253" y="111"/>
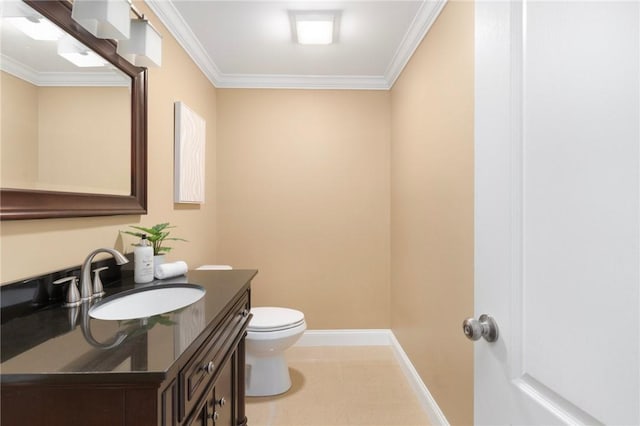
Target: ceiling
<point x="248" y="44"/>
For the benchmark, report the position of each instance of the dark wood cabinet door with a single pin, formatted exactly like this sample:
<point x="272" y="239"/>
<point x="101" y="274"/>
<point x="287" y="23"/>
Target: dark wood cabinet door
<point x="217" y="407"/>
<point x="224" y="396"/>
<point x="169" y="401"/>
<point x="201" y="418"/>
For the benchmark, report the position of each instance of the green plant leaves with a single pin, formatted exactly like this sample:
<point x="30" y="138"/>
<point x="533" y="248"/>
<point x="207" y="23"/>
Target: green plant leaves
<point x="156" y="235"/>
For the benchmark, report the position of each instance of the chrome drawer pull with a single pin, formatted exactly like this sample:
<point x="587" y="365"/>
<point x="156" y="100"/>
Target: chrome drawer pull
<point x="209" y="367"/>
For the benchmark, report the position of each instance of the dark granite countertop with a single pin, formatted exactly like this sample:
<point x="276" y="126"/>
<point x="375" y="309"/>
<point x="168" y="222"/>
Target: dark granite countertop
<point x="50" y="343"/>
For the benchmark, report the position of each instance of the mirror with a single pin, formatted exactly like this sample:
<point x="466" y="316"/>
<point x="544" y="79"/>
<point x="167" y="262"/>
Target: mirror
<point x="73" y="134"/>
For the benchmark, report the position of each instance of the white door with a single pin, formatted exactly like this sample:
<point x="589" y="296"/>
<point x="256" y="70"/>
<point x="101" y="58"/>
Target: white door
<point x="557" y="212"/>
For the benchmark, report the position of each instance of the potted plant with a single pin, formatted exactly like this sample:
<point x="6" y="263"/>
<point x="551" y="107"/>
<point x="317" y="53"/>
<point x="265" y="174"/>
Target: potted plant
<point x="156" y="235"/>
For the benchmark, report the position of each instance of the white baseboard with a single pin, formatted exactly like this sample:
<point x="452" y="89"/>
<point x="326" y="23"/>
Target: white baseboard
<point x="379" y="337"/>
<point x="436" y="416"/>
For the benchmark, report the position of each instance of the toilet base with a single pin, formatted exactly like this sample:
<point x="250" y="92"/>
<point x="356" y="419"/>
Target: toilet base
<point x="266" y="375"/>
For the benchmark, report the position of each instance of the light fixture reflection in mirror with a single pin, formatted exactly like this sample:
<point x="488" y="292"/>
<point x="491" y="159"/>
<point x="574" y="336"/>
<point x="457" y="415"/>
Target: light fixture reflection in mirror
<point x="36" y="27"/>
<point x="78" y="54"/>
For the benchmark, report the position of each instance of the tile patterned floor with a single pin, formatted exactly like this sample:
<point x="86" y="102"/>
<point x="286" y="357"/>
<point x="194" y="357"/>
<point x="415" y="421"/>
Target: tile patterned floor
<point x="341" y="386"/>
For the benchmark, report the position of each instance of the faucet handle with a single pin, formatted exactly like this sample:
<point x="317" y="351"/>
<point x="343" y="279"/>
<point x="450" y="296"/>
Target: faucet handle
<point x="98" y="290"/>
<point x="73" y="295"/>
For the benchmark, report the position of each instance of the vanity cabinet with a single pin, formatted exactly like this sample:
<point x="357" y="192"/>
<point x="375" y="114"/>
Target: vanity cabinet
<point x="208" y="385"/>
<point x="217" y="409"/>
<point x="204" y="385"/>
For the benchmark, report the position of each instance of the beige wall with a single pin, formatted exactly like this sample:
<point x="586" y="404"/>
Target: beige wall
<point x="432" y="210"/>
<point x="38" y="246"/>
<point x="303" y="194"/>
<point x="19" y="109"/>
<point x="67" y="117"/>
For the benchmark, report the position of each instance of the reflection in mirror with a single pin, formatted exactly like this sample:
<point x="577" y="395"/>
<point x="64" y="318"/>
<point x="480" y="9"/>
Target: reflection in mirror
<point x="60" y="101"/>
<point x="73" y="122"/>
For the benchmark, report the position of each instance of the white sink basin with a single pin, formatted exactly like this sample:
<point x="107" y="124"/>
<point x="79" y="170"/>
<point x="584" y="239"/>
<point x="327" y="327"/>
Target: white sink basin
<point x="147" y="301"/>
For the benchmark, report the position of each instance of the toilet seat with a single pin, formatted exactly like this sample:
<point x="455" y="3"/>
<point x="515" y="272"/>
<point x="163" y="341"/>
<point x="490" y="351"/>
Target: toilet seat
<point x="268" y="319"/>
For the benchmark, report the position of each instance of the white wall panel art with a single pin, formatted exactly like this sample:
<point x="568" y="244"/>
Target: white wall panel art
<point x="190" y="140"/>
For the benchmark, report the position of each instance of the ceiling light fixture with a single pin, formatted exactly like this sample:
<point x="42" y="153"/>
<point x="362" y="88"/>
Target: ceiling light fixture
<point x="144" y="48"/>
<point x="103" y="18"/>
<point x="138" y="41"/>
<point x="314" y="27"/>
<point x="35" y="27"/>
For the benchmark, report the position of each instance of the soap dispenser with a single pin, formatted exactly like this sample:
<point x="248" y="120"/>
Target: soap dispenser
<point x="143" y="261"/>
<point x="73" y="295"/>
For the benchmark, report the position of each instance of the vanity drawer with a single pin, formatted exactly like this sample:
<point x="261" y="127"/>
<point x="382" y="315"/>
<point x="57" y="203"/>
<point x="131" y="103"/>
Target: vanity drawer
<point x="197" y="376"/>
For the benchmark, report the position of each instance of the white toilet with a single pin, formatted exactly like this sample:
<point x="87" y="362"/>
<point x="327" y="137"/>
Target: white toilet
<point x="270" y="332"/>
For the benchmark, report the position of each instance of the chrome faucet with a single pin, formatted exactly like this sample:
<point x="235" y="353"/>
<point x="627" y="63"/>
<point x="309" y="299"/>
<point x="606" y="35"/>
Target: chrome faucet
<point x="86" y="288"/>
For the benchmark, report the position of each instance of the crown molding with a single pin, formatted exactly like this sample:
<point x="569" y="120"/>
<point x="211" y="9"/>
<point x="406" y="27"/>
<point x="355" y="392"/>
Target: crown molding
<point x="179" y="29"/>
<point x="37" y="78"/>
<point x="270" y="81"/>
<point x="18" y="69"/>
<point x="424" y="19"/>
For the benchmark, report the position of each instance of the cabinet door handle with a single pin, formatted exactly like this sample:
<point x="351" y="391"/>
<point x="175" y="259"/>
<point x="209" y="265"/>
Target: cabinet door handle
<point x="221" y="402"/>
<point x="245" y="313"/>
<point x="215" y="416"/>
<point x="209" y="367"/>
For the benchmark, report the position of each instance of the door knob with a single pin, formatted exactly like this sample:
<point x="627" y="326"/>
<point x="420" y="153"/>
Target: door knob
<point x="485" y="326"/>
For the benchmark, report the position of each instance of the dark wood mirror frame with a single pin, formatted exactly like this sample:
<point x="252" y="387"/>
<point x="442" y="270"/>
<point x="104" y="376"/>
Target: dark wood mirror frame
<point x="34" y="204"/>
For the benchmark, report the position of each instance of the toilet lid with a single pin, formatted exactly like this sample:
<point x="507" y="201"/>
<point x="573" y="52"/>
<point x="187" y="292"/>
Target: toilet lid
<point x="267" y="318"/>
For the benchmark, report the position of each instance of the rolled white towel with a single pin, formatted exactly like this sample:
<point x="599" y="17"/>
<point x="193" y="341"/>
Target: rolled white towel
<point x="170" y="270"/>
